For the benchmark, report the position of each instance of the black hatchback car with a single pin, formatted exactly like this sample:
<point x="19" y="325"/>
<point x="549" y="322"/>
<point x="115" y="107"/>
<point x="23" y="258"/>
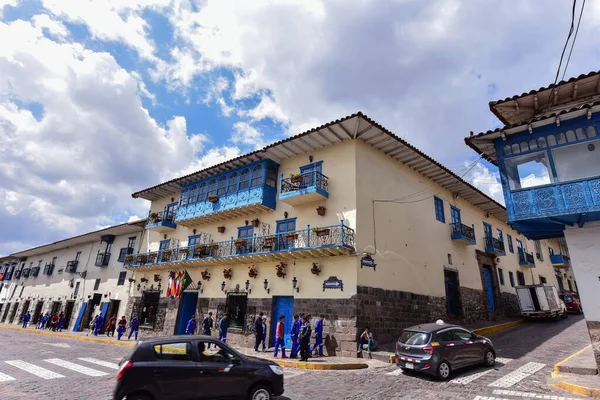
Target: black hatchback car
<point x="438" y="349"/>
<point x="194" y="367"/>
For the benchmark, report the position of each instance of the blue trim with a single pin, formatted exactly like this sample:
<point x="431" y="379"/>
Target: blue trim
<point x="438" y="205"/>
<point x="318" y="166"/>
<point x="510" y="243"/>
<point x="79" y="317"/>
<point x="501" y="276"/>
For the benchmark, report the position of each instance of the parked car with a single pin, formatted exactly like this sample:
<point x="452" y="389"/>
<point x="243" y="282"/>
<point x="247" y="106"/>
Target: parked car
<point x="194" y="367"/>
<point x="540" y="301"/>
<point x="438" y="349"/>
<point x="572" y="302"/>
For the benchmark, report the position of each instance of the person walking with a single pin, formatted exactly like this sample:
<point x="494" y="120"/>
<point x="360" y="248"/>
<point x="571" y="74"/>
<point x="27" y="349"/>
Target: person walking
<point x="223" y="326"/>
<point x="305" y="332"/>
<point x="135" y="326"/>
<point x="294" y="332"/>
<point x="258" y="330"/>
<point x="44" y="321"/>
<point x="279" y="332"/>
<point x="191" y="326"/>
<point x="112" y="324"/>
<point x="61" y="321"/>
<point x="207" y="324"/>
<point x="26" y="318"/>
<point x="264" y="335"/>
<point x="318" y="335"/>
<point x="98" y="324"/>
<point x="122" y="327"/>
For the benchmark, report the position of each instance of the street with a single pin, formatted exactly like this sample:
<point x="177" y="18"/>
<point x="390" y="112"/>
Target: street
<point x="33" y="366"/>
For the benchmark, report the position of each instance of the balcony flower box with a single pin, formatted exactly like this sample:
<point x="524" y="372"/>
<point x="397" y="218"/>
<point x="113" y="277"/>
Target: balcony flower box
<point x="221" y="229"/>
<point x="291" y="236"/>
<point x="227" y="273"/>
<point x="152" y="257"/>
<point x="322" y="231"/>
<point x="129" y="258"/>
<point x="240" y="242"/>
<point x="167" y="252"/>
<point x="252" y="271"/>
<point x="296" y="178"/>
<point x="142" y="259"/>
<point x="154" y="217"/>
<point x="205" y="275"/>
<point x="255" y="222"/>
<point x="213" y="198"/>
<point x="213" y="246"/>
<point x="280" y="268"/>
<point x="200" y="250"/>
<point x="183" y="250"/>
<point x="315" y="270"/>
<point x="321" y="210"/>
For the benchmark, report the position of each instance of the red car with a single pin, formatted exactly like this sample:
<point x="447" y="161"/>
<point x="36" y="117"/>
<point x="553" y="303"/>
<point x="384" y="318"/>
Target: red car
<point x="572" y="302"/>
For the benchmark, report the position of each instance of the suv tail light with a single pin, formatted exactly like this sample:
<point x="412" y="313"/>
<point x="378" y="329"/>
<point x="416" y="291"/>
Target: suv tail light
<point x="126" y="366"/>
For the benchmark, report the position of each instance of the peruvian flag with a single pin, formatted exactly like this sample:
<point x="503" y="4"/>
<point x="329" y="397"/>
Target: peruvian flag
<point x="179" y="283"/>
<point x="170" y="285"/>
<point x="177" y="278"/>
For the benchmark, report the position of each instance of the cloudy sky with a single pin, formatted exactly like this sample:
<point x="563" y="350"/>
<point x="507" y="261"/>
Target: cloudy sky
<point x="101" y="98"/>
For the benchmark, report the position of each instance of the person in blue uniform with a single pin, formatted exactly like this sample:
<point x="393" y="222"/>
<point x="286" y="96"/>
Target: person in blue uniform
<point x="98" y="324"/>
<point x="135" y="327"/>
<point x="294" y="332"/>
<point x="318" y="335"/>
<point x="26" y="318"/>
<point x="43" y="321"/>
<point x="122" y="327"/>
<point x="223" y="326"/>
<point x="191" y="326"/>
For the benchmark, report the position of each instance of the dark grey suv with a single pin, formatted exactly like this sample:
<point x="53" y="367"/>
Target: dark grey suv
<point x="438" y="349"/>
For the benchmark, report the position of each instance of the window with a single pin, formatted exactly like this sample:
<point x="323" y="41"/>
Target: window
<point x="122" y="276"/>
<point x="271" y="176"/>
<point x="439" y="209"/>
<point x="236" y="308"/>
<point x="233" y="180"/>
<point x="54" y="260"/>
<point x="222" y="186"/>
<point x="149" y="308"/>
<point x="173" y="351"/>
<point x="501" y="276"/>
<point x="97" y="284"/>
<point x="519" y="246"/>
<point x="184" y="196"/>
<point x="193" y="194"/>
<point x="131" y="242"/>
<point x="543" y="279"/>
<point x="76" y="291"/>
<point x="538" y="250"/>
<point x="414" y="338"/>
<point x="244" y="177"/>
<point x="193" y="240"/>
<point x="520" y="278"/>
<point x="510" y="243"/>
<point x="461" y="335"/>
<point x="551" y="251"/>
<point x="577" y="161"/>
<point x="202" y="192"/>
<point x="528" y="170"/>
<point x="77" y="256"/>
<point x="212" y="187"/>
<point x="213" y="353"/>
<point x="500" y="235"/>
<point x="256" y="176"/>
<point x="511" y="278"/>
<point x="449" y="258"/>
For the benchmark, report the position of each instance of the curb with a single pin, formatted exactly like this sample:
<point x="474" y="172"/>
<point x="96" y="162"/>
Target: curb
<point x="580" y="371"/>
<point x="488" y="330"/>
<point x="67" y="336"/>
<point x="322" y="366"/>
<point x="576" y="389"/>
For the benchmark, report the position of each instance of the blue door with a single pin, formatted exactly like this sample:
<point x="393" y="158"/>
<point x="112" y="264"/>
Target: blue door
<point x="283" y="305"/>
<point x="284" y="226"/>
<point x="489" y="288"/>
<point x="79" y="317"/>
<point x="103" y="312"/>
<point x="451" y="292"/>
<point x="247" y="233"/>
<point x="187" y="308"/>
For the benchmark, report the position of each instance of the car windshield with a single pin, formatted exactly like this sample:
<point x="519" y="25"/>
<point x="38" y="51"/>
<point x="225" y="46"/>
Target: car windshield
<point x="414" y="338"/>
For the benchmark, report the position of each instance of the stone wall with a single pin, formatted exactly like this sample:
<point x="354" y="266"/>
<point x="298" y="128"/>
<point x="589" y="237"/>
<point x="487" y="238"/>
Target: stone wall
<point x="509" y="302"/>
<point x="594" y="330"/>
<point x="474" y="306"/>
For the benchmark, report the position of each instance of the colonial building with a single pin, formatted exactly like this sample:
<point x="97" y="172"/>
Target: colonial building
<point x="347" y="220"/>
<point x="548" y="154"/>
<point x="80" y="276"/>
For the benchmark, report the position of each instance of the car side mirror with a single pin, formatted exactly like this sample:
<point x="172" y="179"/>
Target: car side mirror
<point x="236" y="361"/>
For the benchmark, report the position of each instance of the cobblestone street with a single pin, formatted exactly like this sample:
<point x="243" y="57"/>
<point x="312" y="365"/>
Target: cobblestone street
<point x="60" y="368"/>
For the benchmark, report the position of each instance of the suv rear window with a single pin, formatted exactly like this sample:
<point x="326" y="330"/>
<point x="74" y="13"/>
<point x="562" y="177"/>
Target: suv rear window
<point x="414" y="338"/>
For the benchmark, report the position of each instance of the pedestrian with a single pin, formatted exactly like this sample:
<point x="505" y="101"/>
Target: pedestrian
<point x="279" y="333"/>
<point x="258" y="331"/>
<point x="43" y="321"/>
<point x="135" y="326"/>
<point x="112" y="323"/>
<point x="294" y="332"/>
<point x="26" y="318"/>
<point x="223" y="326"/>
<point x="191" y="326"/>
<point x="305" y="332"/>
<point x="61" y="321"/>
<point x="92" y="326"/>
<point x="54" y="322"/>
<point x="366" y="338"/>
<point x="207" y="325"/>
<point x="264" y="335"/>
<point x="318" y="335"/>
<point x="99" y="321"/>
<point x="122" y="327"/>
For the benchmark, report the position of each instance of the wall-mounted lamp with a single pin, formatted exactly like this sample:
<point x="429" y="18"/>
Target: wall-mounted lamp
<point x="310" y="158"/>
<point x="199" y="284"/>
<point x="248" y="286"/>
<point x="565" y="275"/>
<point x="246" y="222"/>
<point x="159" y="287"/>
<point x="295" y="285"/>
<point x="172" y="199"/>
<point x="285" y="214"/>
<point x="106" y="295"/>
<point x="165" y="236"/>
<point x="223" y="286"/>
<point x="90" y="296"/>
<point x="194" y="231"/>
<point x="266" y="285"/>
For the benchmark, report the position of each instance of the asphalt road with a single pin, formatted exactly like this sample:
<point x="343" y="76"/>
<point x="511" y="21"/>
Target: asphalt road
<point x="42" y="366"/>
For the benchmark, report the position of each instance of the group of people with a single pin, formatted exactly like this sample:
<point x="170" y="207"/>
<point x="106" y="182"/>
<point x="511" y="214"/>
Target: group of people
<point x="55" y="322"/>
<point x="119" y="326"/>
<point x="207" y="325"/>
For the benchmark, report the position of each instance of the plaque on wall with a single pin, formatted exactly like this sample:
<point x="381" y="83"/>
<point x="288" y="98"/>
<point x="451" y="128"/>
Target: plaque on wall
<point x="367" y="261"/>
<point x="333" y="283"/>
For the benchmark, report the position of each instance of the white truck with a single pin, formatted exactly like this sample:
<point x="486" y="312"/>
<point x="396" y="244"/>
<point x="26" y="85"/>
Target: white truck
<point x="540" y="301"/>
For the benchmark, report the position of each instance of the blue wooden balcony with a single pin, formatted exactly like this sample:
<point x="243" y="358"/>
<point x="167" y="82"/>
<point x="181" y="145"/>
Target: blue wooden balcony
<point x="304" y="188"/>
<point x="526" y="259"/>
<point x="102" y="259"/>
<point x="494" y="246"/>
<point x="327" y="241"/>
<point x="560" y="260"/>
<point x="463" y="233"/>
<point x="162" y="221"/>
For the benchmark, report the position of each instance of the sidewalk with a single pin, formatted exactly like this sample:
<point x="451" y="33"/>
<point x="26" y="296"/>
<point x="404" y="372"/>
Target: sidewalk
<point x="578" y="374"/>
<point x="72" y="335"/>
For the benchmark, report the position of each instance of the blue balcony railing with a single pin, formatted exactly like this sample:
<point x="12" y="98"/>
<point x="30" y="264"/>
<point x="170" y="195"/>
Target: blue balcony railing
<point x="560" y="260"/>
<point x="124" y="252"/>
<point x="526" y="259"/>
<point x="102" y="259"/>
<point x="494" y="246"/>
<point x="162" y="219"/>
<point x="307" y="187"/>
<point x="464" y="233"/>
<point x="338" y="237"/>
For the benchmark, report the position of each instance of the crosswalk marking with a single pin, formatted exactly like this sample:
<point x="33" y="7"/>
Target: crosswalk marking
<point x="503" y="360"/>
<point x="34" y="369"/>
<point x="63" y="345"/>
<point x="530" y="395"/>
<point x="463" y="380"/>
<point x="4" y="377"/>
<point x="100" y="362"/>
<point x="517" y="375"/>
<point x="75" y="367"/>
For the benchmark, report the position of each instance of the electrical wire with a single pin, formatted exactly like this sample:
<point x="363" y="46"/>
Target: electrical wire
<point x="573" y="42"/>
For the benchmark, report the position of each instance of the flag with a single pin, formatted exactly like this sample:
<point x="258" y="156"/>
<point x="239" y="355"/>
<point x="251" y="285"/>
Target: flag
<point x="170" y="285"/>
<point x="185" y="282"/>
<point x="177" y="284"/>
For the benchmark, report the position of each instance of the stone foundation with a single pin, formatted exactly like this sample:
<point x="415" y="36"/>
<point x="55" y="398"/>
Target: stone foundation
<point x="474" y="306"/>
<point x="594" y="330"/>
<point x="509" y="303"/>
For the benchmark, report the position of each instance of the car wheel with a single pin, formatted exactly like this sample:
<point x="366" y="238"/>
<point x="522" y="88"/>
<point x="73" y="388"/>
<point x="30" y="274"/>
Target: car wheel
<point x="443" y="371"/>
<point x="260" y="393"/>
<point x="489" y="358"/>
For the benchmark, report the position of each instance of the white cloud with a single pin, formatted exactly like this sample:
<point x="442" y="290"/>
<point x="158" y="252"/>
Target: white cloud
<point x="266" y="109"/>
<point x="244" y="133"/>
<point x="214" y="156"/>
<point x="486" y="181"/>
<point x="53" y="26"/>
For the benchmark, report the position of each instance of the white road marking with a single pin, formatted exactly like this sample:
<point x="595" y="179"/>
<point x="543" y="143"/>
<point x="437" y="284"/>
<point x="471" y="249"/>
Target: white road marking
<point x="63" y="345"/>
<point x="463" y="380"/>
<point x="292" y="374"/>
<point x="4" y="377"/>
<point x="76" y="367"/>
<point x="34" y="369"/>
<point x="517" y="375"/>
<point x="488" y="398"/>
<point x="100" y="362"/>
<point x="531" y="395"/>
<point x="396" y="372"/>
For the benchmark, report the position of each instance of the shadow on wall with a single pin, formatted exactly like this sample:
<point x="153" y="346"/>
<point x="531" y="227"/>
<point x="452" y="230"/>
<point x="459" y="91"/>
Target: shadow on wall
<point x="331" y="345"/>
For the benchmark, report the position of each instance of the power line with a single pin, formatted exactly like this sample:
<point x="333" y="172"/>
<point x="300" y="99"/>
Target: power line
<point x="573" y="42"/>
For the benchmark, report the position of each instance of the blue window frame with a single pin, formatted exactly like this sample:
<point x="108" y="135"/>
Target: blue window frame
<point x="511" y="278"/>
<point x="519" y="246"/>
<point x="202" y="192"/>
<point x="245" y="232"/>
<point x="233" y="181"/>
<point x="271" y="176"/>
<point x="510" y="243"/>
<point x="244" y="178"/>
<point x="193" y="240"/>
<point x="222" y="187"/>
<point x="455" y="215"/>
<point x="439" y="209"/>
<point x="283" y="226"/>
<point x="316" y="166"/>
<point x="501" y="276"/>
<point x="500" y="235"/>
<point x="164" y="245"/>
<point x="487" y="229"/>
<point x="257" y="173"/>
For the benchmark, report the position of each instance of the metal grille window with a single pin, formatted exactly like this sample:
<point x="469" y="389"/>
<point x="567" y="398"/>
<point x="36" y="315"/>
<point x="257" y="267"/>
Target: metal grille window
<point x="97" y="284"/>
<point x="439" y="209"/>
<point x="236" y="307"/>
<point x="122" y="276"/>
<point x="149" y="307"/>
<point x="538" y="250"/>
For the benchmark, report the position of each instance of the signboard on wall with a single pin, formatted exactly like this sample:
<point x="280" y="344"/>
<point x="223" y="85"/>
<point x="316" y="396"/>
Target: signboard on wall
<point x="367" y="261"/>
<point x="333" y="283"/>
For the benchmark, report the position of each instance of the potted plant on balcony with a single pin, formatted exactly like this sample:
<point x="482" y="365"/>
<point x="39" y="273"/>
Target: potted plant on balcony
<point x="315" y="270"/>
<point x="321" y="231"/>
<point x="296" y="178"/>
<point x="205" y="275"/>
<point x="291" y="236"/>
<point x="213" y="198"/>
<point x="129" y="258"/>
<point x="167" y="253"/>
<point x="255" y="222"/>
<point x="213" y="246"/>
<point x="252" y="271"/>
<point x="144" y="280"/>
<point x="240" y="242"/>
<point x="221" y="229"/>
<point x="270" y="239"/>
<point x="321" y="210"/>
<point x="154" y="217"/>
<point x="280" y="268"/>
<point x="142" y="258"/>
<point x="200" y="250"/>
<point x="183" y="250"/>
<point x="227" y="273"/>
<point x="152" y="256"/>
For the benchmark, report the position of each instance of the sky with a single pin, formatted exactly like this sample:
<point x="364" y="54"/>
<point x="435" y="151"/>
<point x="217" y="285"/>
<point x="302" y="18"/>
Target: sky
<point x="99" y="99"/>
